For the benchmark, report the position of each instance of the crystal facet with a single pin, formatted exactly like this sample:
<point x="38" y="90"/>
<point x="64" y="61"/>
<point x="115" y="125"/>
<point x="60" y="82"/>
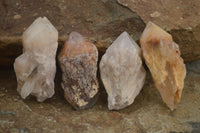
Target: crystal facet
<point x="162" y="57"/>
<point x="78" y="62"/>
<point x="35" y="68"/>
<point x="122" y="72"/>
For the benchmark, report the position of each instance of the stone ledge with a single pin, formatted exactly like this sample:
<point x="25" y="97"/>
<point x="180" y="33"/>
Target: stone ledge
<point x="99" y="20"/>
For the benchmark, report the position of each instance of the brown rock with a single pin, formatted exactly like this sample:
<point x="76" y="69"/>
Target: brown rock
<point x="171" y="14"/>
<point x="95" y="18"/>
<point x="179" y="17"/>
<point x="78" y="62"/>
<point x="162" y="57"/>
<point x="17" y="16"/>
<point x="102" y="21"/>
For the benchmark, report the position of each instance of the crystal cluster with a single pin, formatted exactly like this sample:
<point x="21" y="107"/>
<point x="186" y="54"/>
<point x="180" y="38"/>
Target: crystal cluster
<point x="121" y="67"/>
<point x="122" y="72"/>
<point x="36" y="67"/>
<point x="78" y="62"/>
<point x="162" y="57"/>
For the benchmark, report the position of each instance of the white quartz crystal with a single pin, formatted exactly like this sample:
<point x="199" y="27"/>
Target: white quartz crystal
<point x="36" y="67"/>
<point x="122" y="72"/>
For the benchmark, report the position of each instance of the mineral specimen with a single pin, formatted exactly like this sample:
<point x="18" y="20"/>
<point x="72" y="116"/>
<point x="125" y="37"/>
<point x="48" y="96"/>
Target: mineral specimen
<point x="35" y="68"/>
<point x="162" y="57"/>
<point x="122" y="72"/>
<point x="78" y="62"/>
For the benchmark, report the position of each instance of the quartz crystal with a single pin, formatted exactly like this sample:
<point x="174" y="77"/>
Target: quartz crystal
<point x="162" y="57"/>
<point x="35" y="68"/>
<point x="122" y="72"/>
<point x="78" y="62"/>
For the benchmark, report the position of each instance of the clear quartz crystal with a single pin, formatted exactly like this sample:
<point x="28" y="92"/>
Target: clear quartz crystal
<point x="122" y="72"/>
<point x="35" y="68"/>
<point x="162" y="57"/>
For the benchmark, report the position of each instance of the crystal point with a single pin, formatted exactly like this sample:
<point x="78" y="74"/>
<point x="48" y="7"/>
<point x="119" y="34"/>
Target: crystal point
<point x="122" y="72"/>
<point x="78" y="62"/>
<point x="35" y="68"/>
<point x="162" y="57"/>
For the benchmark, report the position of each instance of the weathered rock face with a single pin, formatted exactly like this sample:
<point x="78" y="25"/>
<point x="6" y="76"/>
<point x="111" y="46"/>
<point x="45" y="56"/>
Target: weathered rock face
<point x="35" y="68"/>
<point x="19" y="116"/>
<point x="78" y="61"/>
<point x="102" y="21"/>
<point x="179" y="17"/>
<point x="122" y="72"/>
<point x="95" y="18"/>
<point x="162" y="57"/>
<point x="169" y="14"/>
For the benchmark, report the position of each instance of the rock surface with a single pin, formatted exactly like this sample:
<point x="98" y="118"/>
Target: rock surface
<point x="179" y="17"/>
<point x="101" y="20"/>
<point x="148" y="114"/>
<point x="36" y="67"/>
<point x="162" y="57"/>
<point x="122" y="72"/>
<point x="78" y="62"/>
